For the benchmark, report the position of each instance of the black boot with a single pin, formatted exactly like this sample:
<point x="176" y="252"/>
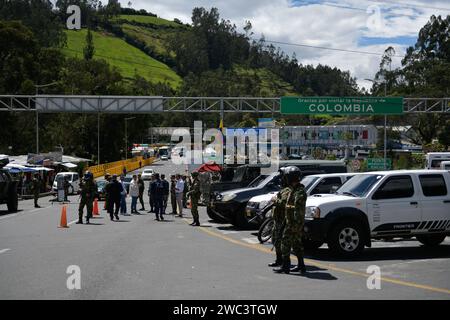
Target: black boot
<point x="285" y="267"/>
<point x="300" y="267"/>
<point x="80" y="220"/>
<point x="278" y="262"/>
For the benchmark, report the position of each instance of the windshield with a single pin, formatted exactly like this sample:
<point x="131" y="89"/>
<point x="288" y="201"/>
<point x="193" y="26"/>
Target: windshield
<point x="359" y="185"/>
<point x="257" y="181"/>
<point x="148" y="171"/>
<point x="308" y="181"/>
<point x="268" y="179"/>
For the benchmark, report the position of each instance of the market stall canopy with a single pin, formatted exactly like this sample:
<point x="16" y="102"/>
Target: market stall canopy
<point x="209" y="167"/>
<point x="16" y="168"/>
<point x="69" y="165"/>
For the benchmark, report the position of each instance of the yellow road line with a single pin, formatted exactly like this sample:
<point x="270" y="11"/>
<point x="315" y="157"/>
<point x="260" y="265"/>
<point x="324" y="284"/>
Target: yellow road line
<point x="325" y="266"/>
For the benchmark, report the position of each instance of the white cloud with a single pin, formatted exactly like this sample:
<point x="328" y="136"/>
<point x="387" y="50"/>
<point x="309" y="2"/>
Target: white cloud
<point x="318" y="25"/>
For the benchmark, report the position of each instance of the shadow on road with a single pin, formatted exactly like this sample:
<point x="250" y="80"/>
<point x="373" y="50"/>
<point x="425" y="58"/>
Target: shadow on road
<point x="388" y="253"/>
<point x="6" y="212"/>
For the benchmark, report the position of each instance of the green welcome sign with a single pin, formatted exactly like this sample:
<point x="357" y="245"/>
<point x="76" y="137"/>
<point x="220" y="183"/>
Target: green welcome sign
<point x="342" y="105"/>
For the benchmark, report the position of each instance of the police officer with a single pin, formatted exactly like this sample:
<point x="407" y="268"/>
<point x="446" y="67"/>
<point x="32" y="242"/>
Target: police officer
<point x="88" y="188"/>
<point x="295" y="219"/>
<point x="279" y="218"/>
<point x="173" y="197"/>
<point x="66" y="188"/>
<point x="36" y="188"/>
<point x="158" y="197"/>
<point x="108" y="180"/>
<point x="166" y="187"/>
<point x="195" y="194"/>
<point x="141" y="185"/>
<point x="151" y="194"/>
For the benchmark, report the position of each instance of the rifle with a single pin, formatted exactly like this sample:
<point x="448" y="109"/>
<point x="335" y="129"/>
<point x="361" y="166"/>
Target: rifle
<point x="279" y="235"/>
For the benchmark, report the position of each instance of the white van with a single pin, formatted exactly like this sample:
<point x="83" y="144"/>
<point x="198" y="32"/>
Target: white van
<point x="434" y="159"/>
<point x="445" y="165"/>
<point x="74" y="181"/>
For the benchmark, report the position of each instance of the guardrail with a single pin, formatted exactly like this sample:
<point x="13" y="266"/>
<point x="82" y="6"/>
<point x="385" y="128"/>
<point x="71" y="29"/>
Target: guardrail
<point x="118" y="166"/>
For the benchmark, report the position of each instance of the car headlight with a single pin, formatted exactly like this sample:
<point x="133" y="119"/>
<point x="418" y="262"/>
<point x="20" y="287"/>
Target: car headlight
<point x="263" y="204"/>
<point x="312" y="213"/>
<point x="228" y="197"/>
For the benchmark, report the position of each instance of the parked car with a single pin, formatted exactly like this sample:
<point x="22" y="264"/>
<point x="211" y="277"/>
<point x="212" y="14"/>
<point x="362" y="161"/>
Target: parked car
<point x="126" y="182"/>
<point x="319" y="185"/>
<point x="101" y="189"/>
<point x="147" y="174"/>
<point x="74" y="181"/>
<point x="378" y="205"/>
<point x="8" y="187"/>
<point x="218" y="211"/>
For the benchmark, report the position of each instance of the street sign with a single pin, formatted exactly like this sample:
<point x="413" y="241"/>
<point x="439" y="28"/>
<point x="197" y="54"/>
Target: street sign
<point x="378" y="164"/>
<point x="342" y="105"/>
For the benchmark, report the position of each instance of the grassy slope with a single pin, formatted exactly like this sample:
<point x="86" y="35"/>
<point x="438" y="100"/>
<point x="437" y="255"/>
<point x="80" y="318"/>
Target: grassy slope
<point x="150" y="20"/>
<point x="128" y="59"/>
<point x="153" y="38"/>
<point x="271" y="84"/>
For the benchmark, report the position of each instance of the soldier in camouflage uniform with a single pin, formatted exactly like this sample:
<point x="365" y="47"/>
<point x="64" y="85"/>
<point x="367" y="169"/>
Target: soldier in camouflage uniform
<point x="36" y="188"/>
<point x="279" y="218"/>
<point x="88" y="189"/>
<point x="195" y="194"/>
<point x="295" y="220"/>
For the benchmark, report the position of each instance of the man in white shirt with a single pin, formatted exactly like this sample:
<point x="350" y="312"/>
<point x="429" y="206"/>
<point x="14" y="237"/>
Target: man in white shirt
<point x="179" y="188"/>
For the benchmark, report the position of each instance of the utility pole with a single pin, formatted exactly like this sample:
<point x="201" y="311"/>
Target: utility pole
<point x="385" y="123"/>
<point x="126" y="137"/>
<point x="37" y="86"/>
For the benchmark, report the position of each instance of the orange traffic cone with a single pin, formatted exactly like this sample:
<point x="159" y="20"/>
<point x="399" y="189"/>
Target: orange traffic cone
<point x="63" y="223"/>
<point x="95" y="210"/>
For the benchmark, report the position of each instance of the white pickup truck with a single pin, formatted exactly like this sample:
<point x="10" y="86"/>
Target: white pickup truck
<point x="377" y="205"/>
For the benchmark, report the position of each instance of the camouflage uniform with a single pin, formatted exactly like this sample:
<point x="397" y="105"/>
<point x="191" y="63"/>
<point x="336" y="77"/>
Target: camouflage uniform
<point x="279" y="218"/>
<point x="36" y="188"/>
<point x="88" y="189"/>
<point x="195" y="194"/>
<point x="295" y="220"/>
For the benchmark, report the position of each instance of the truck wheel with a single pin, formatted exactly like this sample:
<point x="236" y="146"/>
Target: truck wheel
<point x="431" y="240"/>
<point x="13" y="202"/>
<point x="311" y="245"/>
<point x="214" y="217"/>
<point x="346" y="239"/>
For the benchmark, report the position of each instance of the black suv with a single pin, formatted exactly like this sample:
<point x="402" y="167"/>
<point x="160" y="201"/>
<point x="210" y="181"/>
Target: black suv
<point x="8" y="188"/>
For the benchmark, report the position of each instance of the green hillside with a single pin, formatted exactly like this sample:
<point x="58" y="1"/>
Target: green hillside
<point x="128" y="59"/>
<point x="149" y="20"/>
<point x="156" y="39"/>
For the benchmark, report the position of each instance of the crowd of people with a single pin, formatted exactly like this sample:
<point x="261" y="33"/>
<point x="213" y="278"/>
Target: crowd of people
<point x="160" y="191"/>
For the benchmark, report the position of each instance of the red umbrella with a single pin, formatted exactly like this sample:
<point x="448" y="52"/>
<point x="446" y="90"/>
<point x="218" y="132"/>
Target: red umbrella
<point x="209" y="168"/>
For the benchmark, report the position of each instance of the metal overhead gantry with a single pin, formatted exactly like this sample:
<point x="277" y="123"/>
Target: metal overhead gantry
<point x="126" y="104"/>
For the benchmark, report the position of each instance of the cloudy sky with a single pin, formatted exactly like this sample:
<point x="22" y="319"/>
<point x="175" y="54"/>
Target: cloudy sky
<point x="360" y="25"/>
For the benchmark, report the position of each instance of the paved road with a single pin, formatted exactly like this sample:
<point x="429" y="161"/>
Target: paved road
<point x="140" y="258"/>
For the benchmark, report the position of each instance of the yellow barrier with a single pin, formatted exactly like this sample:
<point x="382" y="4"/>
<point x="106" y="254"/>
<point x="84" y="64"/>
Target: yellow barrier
<point x="117" y="166"/>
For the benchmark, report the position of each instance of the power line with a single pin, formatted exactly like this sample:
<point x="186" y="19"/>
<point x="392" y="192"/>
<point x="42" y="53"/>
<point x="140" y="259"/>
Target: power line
<point x="410" y="5"/>
<point x="329" y="48"/>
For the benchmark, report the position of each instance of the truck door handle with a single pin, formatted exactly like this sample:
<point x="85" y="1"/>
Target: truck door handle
<point x="414" y="203"/>
<point x="446" y="201"/>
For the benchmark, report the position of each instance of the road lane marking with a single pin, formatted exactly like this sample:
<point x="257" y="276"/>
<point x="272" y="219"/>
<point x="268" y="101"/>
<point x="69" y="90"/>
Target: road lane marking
<point x="4" y="250"/>
<point x="326" y="266"/>
<point x="250" y="240"/>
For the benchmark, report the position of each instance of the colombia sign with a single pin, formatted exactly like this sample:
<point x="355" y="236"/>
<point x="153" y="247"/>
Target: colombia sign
<point x="342" y="105"/>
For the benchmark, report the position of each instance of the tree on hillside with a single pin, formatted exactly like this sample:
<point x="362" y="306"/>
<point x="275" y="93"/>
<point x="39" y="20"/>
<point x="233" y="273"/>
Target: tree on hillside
<point x="424" y="73"/>
<point x="89" y="49"/>
<point x="38" y="16"/>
